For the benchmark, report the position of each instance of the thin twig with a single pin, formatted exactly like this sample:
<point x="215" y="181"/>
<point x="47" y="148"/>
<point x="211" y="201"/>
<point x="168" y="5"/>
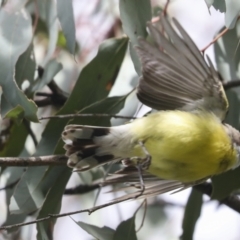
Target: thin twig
<point x="144" y="213"/>
<point x="215" y="39"/>
<point x="51" y="160"/>
<point x="232" y="201"/>
<point x="165" y="8"/>
<point x="88" y="115"/>
<point x="89" y="211"/>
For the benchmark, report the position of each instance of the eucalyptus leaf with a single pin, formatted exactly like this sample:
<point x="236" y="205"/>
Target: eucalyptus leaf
<point x="13" y="174"/>
<point x="16" y="113"/>
<point x="126" y="230"/>
<point x="25" y="67"/>
<point x="191" y="214"/>
<point x="134" y="16"/>
<point x="66" y="18"/>
<point x="225" y="184"/>
<point x="219" y="5"/>
<point x="227" y="55"/>
<point x="92" y="86"/>
<point x="104" y="233"/>
<point x="232" y="13"/>
<point x="15" y="139"/>
<point x="48" y="13"/>
<point x="15" y="38"/>
<point x="209" y="3"/>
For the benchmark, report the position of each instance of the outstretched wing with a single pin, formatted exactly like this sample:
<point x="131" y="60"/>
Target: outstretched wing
<point x="175" y="74"/>
<point x="153" y="186"/>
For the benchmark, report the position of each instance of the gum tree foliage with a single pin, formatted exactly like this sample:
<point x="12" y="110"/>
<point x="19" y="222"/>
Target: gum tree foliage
<point x="38" y="191"/>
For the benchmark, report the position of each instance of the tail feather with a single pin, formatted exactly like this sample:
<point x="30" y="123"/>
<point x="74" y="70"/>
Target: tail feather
<point x="82" y="148"/>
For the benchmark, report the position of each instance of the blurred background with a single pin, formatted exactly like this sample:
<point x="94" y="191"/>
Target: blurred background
<point x="95" y="21"/>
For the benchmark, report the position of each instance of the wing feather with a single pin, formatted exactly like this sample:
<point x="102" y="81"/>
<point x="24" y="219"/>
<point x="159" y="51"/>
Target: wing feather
<point x="175" y="74"/>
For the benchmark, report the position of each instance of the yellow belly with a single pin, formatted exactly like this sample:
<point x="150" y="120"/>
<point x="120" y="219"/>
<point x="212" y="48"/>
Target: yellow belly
<point x="184" y="146"/>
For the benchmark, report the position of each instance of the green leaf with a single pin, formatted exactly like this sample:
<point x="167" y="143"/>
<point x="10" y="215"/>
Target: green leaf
<point x="191" y="214"/>
<point x="126" y="230"/>
<point x="111" y="105"/>
<point x="51" y="205"/>
<point x="66" y="18"/>
<point x="104" y="233"/>
<point x="111" y="59"/>
<point x="15" y="139"/>
<point x="93" y="84"/>
<point x="12" y="174"/>
<point x="219" y="5"/>
<point x="16" y="113"/>
<point x="232" y="13"/>
<point x="15" y="38"/>
<point x="25" y="67"/>
<point x="48" y="13"/>
<point x="225" y="184"/>
<point x="227" y="55"/>
<point x="209" y="3"/>
<point x="27" y="197"/>
<point x="233" y="114"/>
<point x="134" y="16"/>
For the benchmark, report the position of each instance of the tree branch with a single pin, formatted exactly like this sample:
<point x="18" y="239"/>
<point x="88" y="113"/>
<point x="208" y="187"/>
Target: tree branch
<point x="231" y="84"/>
<point x="56" y="98"/>
<point x="51" y="160"/>
<point x="231" y="201"/>
<point x="88" y="115"/>
<point x="81" y="189"/>
<point x="89" y="210"/>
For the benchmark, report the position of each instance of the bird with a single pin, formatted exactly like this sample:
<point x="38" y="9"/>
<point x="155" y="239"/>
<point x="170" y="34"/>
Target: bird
<point x="184" y="142"/>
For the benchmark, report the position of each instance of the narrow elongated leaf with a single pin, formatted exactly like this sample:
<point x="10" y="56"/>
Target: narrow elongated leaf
<point x="126" y="230"/>
<point x="103" y="233"/>
<point x="52" y="206"/>
<point x="48" y="13"/>
<point x="227" y="54"/>
<point x="225" y="184"/>
<point x="219" y="5"/>
<point x="13" y="174"/>
<point x="52" y="202"/>
<point x="15" y="139"/>
<point x="25" y="67"/>
<point x="134" y="16"/>
<point x="94" y="79"/>
<point x="191" y="215"/>
<point x="26" y="197"/>
<point x="66" y="18"/>
<point x="232" y="13"/>
<point x="209" y="3"/>
<point x="15" y="37"/>
<point x="94" y="84"/>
